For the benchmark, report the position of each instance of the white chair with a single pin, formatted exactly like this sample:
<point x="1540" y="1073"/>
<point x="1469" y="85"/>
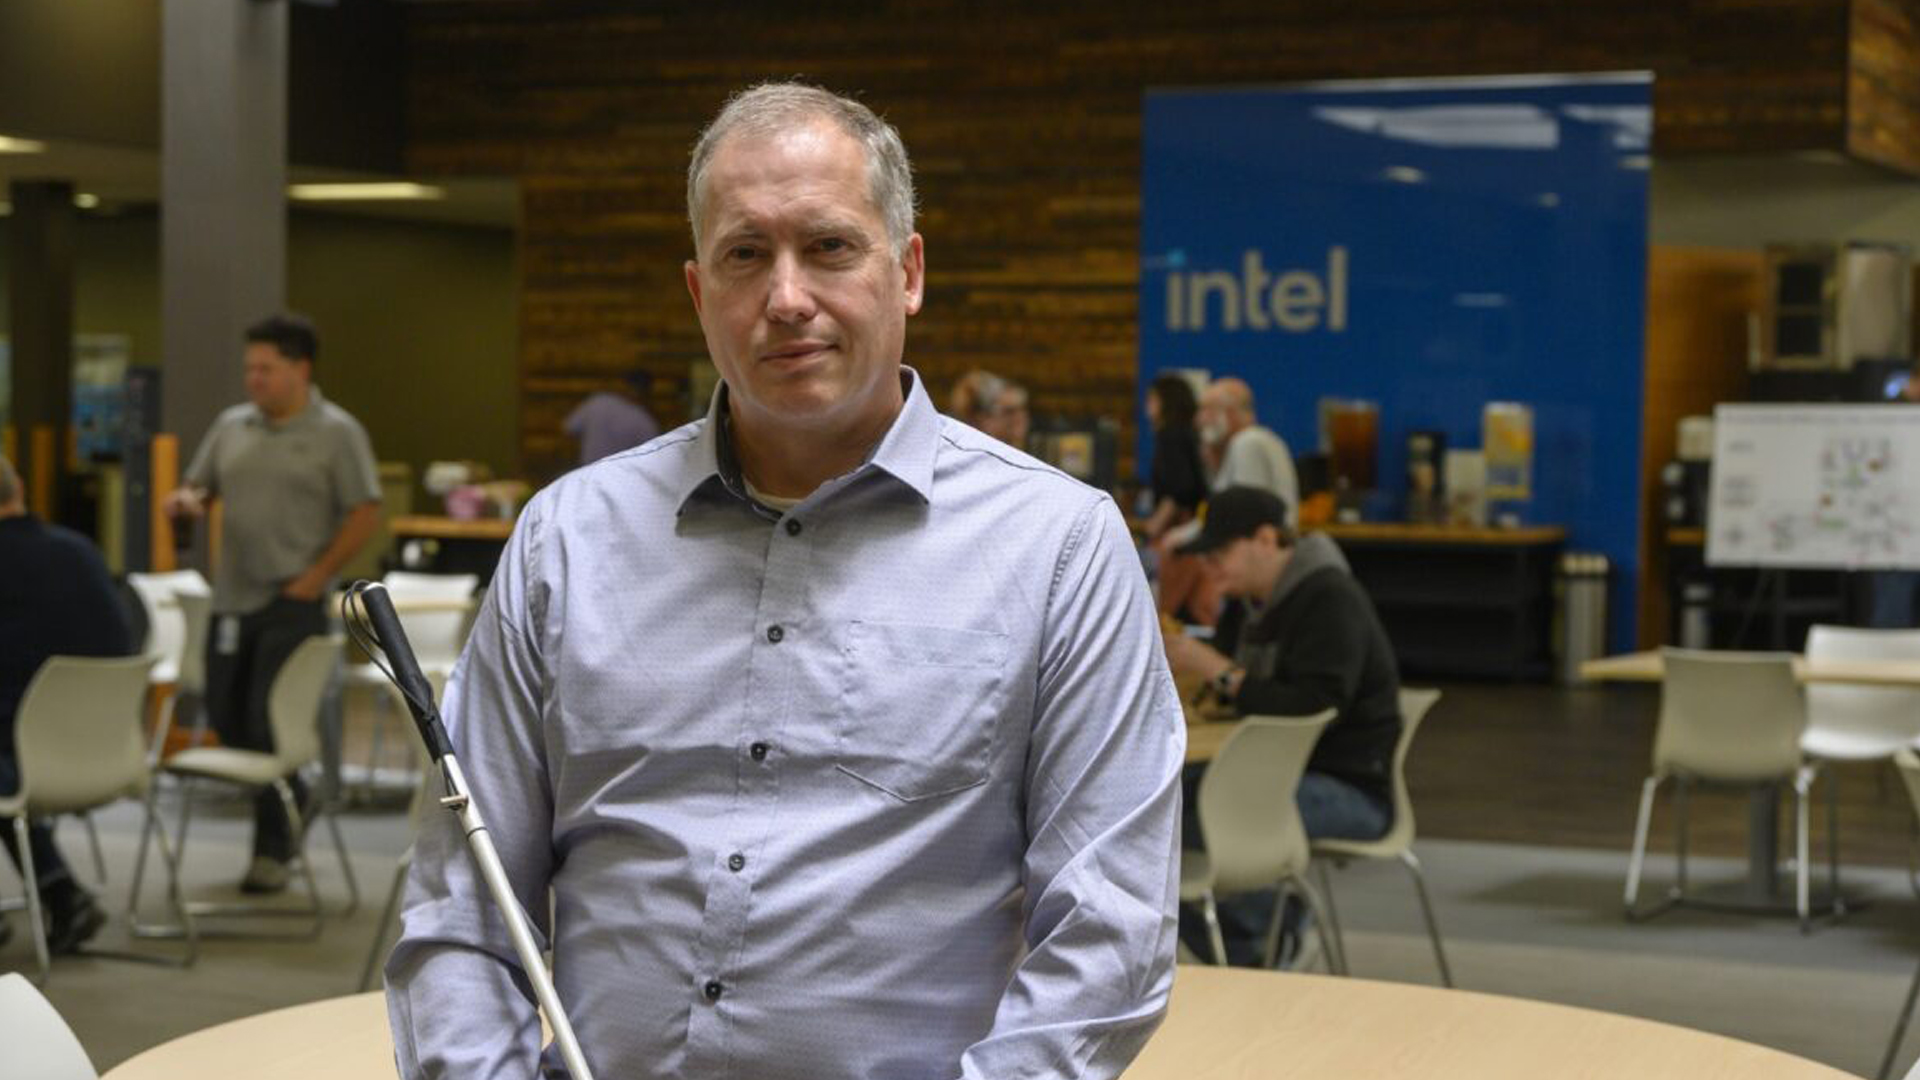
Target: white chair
<point x="1251" y="826"/>
<point x="1725" y="718"/>
<point x="1908" y="765"/>
<point x="39" y="1044"/>
<point x="436" y="611"/>
<point x="166" y="625"/>
<point x="1848" y="722"/>
<point x="1398" y="841"/>
<point x="78" y="743"/>
<point x="293" y="709"/>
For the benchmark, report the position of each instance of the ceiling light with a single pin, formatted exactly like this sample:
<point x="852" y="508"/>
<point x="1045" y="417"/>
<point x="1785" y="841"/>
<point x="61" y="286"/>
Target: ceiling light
<point x="86" y="200"/>
<point x="366" y="192"/>
<point x="11" y="145"/>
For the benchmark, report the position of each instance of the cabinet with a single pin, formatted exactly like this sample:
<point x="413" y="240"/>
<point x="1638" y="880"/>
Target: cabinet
<point x="1458" y="601"/>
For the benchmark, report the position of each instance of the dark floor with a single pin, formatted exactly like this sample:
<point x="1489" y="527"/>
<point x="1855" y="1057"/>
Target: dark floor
<point x="1538" y="764"/>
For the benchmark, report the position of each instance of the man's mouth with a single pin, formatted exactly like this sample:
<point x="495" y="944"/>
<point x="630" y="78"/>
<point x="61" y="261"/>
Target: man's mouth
<point x="798" y="350"/>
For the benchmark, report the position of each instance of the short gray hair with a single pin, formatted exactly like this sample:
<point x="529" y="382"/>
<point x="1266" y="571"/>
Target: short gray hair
<point x="9" y="482"/>
<point x="775" y="107"/>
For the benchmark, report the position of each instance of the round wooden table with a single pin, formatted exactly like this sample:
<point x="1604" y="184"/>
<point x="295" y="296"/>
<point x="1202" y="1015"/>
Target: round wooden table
<point x="1224" y="1023"/>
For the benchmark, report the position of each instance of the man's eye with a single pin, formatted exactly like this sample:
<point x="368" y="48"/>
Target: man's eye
<point x="742" y="253"/>
<point x="833" y="245"/>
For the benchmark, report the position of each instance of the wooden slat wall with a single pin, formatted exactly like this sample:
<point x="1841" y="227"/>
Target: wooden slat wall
<point x="1698" y="300"/>
<point x="1883" y="84"/>
<point x="1024" y="124"/>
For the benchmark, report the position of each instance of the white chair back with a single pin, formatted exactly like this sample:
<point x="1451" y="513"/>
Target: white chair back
<point x="39" y="1044"/>
<point x="77" y="734"/>
<point x="1414" y="706"/>
<point x="166" y="625"/>
<point x="1729" y="716"/>
<point x="196" y="612"/>
<point x="1861" y="722"/>
<point x="293" y="703"/>
<point x="439" y="631"/>
<point x="1248" y="817"/>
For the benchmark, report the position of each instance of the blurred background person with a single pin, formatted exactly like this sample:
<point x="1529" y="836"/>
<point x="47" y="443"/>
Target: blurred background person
<point x="1247" y="454"/>
<point x="1178" y="477"/>
<point x="610" y="421"/>
<point x="300" y="497"/>
<point x="995" y="405"/>
<point x="56" y="599"/>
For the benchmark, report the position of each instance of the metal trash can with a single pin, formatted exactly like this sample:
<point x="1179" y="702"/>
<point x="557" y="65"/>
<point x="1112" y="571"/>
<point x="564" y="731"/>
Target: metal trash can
<point x="1580" y="613"/>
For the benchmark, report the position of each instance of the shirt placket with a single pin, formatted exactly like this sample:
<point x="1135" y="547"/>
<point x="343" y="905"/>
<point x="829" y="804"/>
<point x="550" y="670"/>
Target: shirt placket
<point x="780" y="627"/>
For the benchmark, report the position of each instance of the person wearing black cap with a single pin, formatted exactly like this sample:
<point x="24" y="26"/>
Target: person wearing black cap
<point x="1311" y="642"/>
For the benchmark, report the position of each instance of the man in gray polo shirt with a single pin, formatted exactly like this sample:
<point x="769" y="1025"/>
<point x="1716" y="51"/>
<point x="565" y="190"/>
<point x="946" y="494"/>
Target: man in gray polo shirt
<point x="299" y="497"/>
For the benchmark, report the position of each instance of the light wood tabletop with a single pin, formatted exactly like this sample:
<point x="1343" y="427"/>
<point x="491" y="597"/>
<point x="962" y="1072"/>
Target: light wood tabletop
<point x="1646" y="667"/>
<point x="1224" y="1023"/>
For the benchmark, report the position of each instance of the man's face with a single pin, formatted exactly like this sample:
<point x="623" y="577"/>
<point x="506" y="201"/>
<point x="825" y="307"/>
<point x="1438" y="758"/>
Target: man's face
<point x="275" y="384"/>
<point x="1211" y="419"/>
<point x="1245" y="567"/>
<point x="802" y="302"/>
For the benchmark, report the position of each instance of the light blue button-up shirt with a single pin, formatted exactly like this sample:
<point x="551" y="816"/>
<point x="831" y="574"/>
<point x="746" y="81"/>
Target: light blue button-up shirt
<point x="885" y="786"/>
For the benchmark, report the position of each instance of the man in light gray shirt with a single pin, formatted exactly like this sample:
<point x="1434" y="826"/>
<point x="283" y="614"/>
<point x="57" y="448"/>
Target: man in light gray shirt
<point x="299" y="496"/>
<point x="839" y="732"/>
<point x="1250" y="454"/>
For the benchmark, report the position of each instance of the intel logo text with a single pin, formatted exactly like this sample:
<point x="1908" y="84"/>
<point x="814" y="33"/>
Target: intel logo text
<point x="1296" y="301"/>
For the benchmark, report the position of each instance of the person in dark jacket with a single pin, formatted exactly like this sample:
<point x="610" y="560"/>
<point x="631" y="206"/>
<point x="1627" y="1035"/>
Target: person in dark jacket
<point x="56" y="599"/>
<point x="1312" y="643"/>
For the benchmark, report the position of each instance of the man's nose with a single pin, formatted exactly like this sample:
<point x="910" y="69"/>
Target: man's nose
<point x="789" y="292"/>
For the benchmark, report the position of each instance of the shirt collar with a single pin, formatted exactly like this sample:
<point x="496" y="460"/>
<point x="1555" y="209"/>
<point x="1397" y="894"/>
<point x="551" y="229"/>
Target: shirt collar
<point x="314" y="401"/>
<point x="904" y="456"/>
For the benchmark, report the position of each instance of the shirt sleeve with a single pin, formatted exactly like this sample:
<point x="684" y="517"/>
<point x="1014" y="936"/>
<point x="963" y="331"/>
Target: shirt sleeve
<point x="356" y="479"/>
<point x="1101" y="869"/>
<point x="457" y="997"/>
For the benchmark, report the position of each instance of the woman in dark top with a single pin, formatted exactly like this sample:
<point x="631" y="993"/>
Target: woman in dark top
<point x="1178" y="479"/>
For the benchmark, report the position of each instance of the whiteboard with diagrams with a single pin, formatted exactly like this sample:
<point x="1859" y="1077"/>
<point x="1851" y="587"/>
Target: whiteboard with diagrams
<point x="1815" y="486"/>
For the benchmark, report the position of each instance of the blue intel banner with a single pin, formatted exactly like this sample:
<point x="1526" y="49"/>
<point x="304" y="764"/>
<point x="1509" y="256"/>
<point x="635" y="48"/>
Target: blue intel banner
<point x="1426" y="245"/>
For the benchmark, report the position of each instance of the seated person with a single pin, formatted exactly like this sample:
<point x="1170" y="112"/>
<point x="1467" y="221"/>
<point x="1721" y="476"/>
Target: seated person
<point x="55" y="600"/>
<point x="1311" y="641"/>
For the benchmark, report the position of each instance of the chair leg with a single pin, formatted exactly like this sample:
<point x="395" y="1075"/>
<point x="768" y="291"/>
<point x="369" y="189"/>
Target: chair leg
<point x="1332" y="910"/>
<point x="1336" y="963"/>
<point x="149" y="825"/>
<point x="392" y="909"/>
<point x="152" y="828"/>
<point x="1680" y="794"/>
<point x="1215" y="940"/>
<point x="36" y="919"/>
<point x="346" y="864"/>
<point x="297" y="825"/>
<point x="1639" y="855"/>
<point x="93" y="841"/>
<point x="1412" y="864"/>
<point x="1900" y="1027"/>
<point x="1837" y="902"/>
<point x="1801" y="782"/>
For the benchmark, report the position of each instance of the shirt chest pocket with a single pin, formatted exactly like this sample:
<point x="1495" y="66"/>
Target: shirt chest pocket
<point x="920" y="707"/>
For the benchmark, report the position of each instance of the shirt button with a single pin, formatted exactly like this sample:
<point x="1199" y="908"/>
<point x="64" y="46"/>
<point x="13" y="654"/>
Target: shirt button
<point x="736" y="862"/>
<point x="713" y="989"/>
<point x="793" y="527"/>
<point x="776" y="633"/>
<point x="758" y="750"/>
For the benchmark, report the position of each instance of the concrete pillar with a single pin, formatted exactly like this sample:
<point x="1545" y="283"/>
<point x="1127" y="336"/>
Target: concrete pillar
<point x="223" y="263"/>
<point x="40" y="296"/>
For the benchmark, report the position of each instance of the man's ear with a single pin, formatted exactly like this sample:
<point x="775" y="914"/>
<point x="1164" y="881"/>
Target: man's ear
<point x="693" y="284"/>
